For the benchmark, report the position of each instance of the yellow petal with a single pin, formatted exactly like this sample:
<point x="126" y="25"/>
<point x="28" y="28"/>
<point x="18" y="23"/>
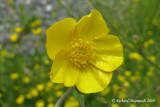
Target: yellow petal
<point x="109" y="52"/>
<point x="58" y="36"/>
<point x="92" y="80"/>
<point x="91" y="25"/>
<point x="62" y="71"/>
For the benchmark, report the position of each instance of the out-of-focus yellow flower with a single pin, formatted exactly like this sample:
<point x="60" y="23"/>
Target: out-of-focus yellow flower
<point x="133" y="78"/>
<point x="152" y="58"/>
<point x="46" y="61"/>
<point x="26" y="80"/>
<point x="150" y="73"/>
<point x="40" y="87"/>
<point x="132" y="105"/>
<point x="151" y="68"/>
<point x="19" y="29"/>
<point x="136" y="56"/>
<point x="10" y="2"/>
<point x="49" y="86"/>
<point x="123" y="89"/>
<point x="121" y="95"/>
<point x="147" y="105"/>
<point x="84" y="53"/>
<point x="50" y="99"/>
<point x="148" y="42"/>
<point x="20" y="99"/>
<point x="127" y="73"/>
<point x="151" y="41"/>
<point x="13" y="37"/>
<point x="59" y="93"/>
<point x="4" y="52"/>
<point x="29" y="96"/>
<point x="131" y="45"/>
<point x="135" y="1"/>
<point x="50" y="105"/>
<point x="14" y="76"/>
<point x="127" y="84"/>
<point x="0" y="95"/>
<point x="72" y="102"/>
<point x="114" y="105"/>
<point x="40" y="103"/>
<point x="34" y="92"/>
<point x="115" y="88"/>
<point x="158" y="99"/>
<point x="36" y="23"/>
<point x="106" y="91"/>
<point x="156" y="22"/>
<point x="36" y="31"/>
<point x="36" y="66"/>
<point x="121" y="78"/>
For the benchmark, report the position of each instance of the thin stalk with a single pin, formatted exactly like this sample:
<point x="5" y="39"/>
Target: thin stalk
<point x="61" y="99"/>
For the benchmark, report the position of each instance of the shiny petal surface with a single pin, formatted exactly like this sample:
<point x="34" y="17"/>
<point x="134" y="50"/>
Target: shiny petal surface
<point x="58" y="36"/>
<point x="93" y="80"/>
<point x="109" y="52"/>
<point x="91" y="25"/>
<point x="63" y="72"/>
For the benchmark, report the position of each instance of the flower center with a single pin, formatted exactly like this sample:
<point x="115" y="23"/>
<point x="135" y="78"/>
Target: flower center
<point x="81" y="53"/>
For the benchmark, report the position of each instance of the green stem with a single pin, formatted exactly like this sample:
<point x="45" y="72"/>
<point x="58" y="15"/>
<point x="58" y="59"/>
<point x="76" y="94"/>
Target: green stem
<point x="60" y="100"/>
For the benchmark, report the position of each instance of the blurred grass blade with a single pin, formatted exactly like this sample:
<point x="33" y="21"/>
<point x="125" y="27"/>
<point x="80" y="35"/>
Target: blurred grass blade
<point x="79" y="97"/>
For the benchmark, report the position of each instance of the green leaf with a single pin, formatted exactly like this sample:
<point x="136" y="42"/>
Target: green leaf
<point x="79" y="97"/>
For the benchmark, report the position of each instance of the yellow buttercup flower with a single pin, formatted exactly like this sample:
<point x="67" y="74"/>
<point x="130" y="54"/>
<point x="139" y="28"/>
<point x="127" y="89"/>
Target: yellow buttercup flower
<point x="72" y="102"/>
<point x="4" y="52"/>
<point x="127" y="73"/>
<point x="26" y="80"/>
<point x="14" y="76"/>
<point x="20" y="99"/>
<point x="106" y="91"/>
<point x="136" y="56"/>
<point x="59" y="93"/>
<point x="19" y="29"/>
<point x="40" y="87"/>
<point x="40" y="103"/>
<point x="46" y="61"/>
<point x="34" y="92"/>
<point x="132" y="105"/>
<point x="0" y="95"/>
<point x="35" y="23"/>
<point x="13" y="37"/>
<point x="152" y="58"/>
<point x="36" y="31"/>
<point x="36" y="66"/>
<point x="50" y="105"/>
<point x="114" y="105"/>
<point x="84" y="53"/>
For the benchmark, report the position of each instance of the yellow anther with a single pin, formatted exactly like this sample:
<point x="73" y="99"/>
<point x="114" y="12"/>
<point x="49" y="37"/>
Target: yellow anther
<point x="81" y="53"/>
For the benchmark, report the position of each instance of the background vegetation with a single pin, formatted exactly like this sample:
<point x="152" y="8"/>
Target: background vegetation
<point x="25" y="67"/>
